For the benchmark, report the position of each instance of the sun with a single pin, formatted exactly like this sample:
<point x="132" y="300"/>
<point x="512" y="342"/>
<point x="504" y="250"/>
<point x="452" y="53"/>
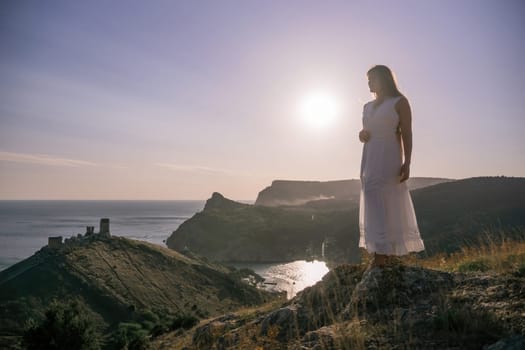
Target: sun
<point x="319" y="109"/>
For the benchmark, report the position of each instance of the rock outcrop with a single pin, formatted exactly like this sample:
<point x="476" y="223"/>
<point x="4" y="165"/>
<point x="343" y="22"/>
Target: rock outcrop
<point x="286" y="192"/>
<point x="219" y="202"/>
<point x="397" y="307"/>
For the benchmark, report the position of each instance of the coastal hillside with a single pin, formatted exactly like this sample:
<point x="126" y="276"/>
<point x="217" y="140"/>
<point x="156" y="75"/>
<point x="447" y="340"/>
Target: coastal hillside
<point x="224" y="231"/>
<point x="120" y="280"/>
<point x="450" y="215"/>
<point x="466" y="212"/>
<point x="286" y="192"/>
<point x="472" y="301"/>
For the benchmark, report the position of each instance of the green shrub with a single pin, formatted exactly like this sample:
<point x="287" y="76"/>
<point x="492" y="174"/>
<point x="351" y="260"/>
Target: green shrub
<point x="65" y="326"/>
<point x="160" y="328"/>
<point x="481" y="265"/>
<point x="131" y="336"/>
<point x="148" y="315"/>
<point x="183" y="321"/>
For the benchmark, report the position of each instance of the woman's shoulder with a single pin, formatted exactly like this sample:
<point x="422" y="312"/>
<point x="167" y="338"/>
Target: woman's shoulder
<point x="369" y="103"/>
<point x="400" y="100"/>
<point x="402" y="105"/>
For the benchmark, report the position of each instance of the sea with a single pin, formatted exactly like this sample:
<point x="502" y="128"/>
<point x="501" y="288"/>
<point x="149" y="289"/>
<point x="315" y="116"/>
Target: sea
<point x="26" y="225"/>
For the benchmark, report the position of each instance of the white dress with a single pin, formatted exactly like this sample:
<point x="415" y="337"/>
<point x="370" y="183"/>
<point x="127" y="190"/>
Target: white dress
<point x="387" y="221"/>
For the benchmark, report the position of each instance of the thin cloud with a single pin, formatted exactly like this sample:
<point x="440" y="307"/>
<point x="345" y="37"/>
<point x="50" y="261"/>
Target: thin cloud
<point x="117" y="166"/>
<point x="42" y="159"/>
<point x="194" y="168"/>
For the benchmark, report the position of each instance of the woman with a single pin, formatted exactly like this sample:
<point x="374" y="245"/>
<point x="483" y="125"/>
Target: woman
<point x="387" y="221"/>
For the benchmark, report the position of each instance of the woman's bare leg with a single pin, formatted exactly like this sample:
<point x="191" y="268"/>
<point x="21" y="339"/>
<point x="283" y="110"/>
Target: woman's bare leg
<point x="379" y="260"/>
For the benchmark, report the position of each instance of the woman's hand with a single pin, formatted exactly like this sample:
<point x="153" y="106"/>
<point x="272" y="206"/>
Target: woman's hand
<point x="364" y="135"/>
<point x="404" y="174"/>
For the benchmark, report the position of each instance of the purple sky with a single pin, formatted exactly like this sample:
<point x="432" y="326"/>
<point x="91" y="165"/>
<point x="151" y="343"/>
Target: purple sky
<point x="177" y="99"/>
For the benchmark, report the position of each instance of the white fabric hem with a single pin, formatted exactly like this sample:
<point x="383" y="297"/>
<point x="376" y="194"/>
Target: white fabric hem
<point x="394" y="248"/>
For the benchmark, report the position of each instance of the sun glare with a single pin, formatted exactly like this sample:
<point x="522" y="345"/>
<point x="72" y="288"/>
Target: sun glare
<point x="319" y="109"/>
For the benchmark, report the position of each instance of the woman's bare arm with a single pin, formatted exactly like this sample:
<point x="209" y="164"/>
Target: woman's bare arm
<point x="405" y="124"/>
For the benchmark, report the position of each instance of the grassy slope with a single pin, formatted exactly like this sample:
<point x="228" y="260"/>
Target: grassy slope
<point x="119" y="279"/>
<point x="469" y="211"/>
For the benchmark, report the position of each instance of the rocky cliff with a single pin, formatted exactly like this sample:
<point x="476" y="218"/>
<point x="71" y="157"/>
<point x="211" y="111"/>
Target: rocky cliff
<point x="450" y="215"/>
<point x="285" y="192"/>
<point x="225" y="231"/>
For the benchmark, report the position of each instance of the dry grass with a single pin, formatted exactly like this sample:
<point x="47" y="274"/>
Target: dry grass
<point x="452" y="322"/>
<point x="249" y="334"/>
<point x="248" y="313"/>
<point x="497" y="256"/>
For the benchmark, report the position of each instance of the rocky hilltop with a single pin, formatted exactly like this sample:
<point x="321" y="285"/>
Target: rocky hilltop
<point x="450" y="215"/>
<point x="228" y="231"/>
<point x="286" y="192"/>
<point x="120" y="280"/>
<point x="397" y="307"/>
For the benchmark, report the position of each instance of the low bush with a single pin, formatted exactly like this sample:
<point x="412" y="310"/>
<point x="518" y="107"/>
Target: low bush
<point x="68" y="325"/>
<point x="480" y="265"/>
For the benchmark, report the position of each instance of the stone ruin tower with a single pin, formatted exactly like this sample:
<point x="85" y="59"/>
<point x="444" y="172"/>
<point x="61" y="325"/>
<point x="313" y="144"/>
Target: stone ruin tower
<point x="54" y="242"/>
<point x="104" y="227"/>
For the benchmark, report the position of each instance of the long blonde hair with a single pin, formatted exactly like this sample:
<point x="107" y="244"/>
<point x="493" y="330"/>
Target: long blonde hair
<point x="386" y="79"/>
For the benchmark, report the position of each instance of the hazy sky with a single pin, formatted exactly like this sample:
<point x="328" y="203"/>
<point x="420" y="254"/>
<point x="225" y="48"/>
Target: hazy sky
<point x="178" y="99"/>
